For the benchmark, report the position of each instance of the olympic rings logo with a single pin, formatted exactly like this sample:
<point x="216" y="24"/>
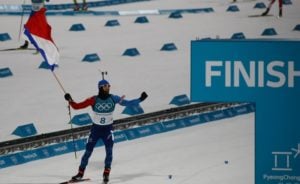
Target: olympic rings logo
<point x="103" y="106"/>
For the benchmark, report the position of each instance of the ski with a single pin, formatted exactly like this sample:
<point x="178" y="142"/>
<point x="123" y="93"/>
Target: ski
<point x="15" y="49"/>
<point x="75" y="181"/>
<point x="259" y="15"/>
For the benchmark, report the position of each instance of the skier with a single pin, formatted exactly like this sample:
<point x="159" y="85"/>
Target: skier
<point x="103" y="106"/>
<point x="270" y="5"/>
<point x="77" y="7"/>
<point x="37" y="5"/>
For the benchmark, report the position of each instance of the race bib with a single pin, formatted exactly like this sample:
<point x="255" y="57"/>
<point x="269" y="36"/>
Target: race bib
<point x="103" y="118"/>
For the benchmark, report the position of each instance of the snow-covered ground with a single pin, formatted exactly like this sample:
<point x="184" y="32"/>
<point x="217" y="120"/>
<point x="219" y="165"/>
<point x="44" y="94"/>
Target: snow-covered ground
<point x="190" y="155"/>
<point x="32" y="95"/>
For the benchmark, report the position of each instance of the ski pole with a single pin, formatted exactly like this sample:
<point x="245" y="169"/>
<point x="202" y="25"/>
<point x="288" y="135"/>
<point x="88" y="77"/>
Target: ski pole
<point x="21" y="22"/>
<point x="72" y="132"/>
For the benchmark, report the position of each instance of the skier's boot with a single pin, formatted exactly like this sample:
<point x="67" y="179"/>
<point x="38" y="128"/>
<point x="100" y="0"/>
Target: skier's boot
<point x="79" y="175"/>
<point x="280" y="12"/>
<point x="84" y="7"/>
<point x="25" y="45"/>
<point x="266" y="12"/>
<point x="106" y="175"/>
<point x="76" y="7"/>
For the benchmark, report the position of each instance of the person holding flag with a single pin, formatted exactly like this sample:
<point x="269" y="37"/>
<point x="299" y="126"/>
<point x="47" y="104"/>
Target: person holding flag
<point x="103" y="106"/>
<point x="38" y="32"/>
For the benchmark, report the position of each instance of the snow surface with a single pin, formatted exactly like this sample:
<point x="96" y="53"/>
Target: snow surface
<point x="190" y="155"/>
<point x="33" y="95"/>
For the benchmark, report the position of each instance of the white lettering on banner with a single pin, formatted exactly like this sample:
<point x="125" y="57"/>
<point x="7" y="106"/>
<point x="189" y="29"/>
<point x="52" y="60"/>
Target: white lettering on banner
<point x="120" y="136"/>
<point x="196" y="120"/>
<point x="30" y="156"/>
<point x="284" y="161"/>
<point x="234" y="71"/>
<point x="220" y="115"/>
<point x="85" y="118"/>
<point x="241" y="110"/>
<point x="145" y="131"/>
<point x="62" y="148"/>
<point x="171" y="125"/>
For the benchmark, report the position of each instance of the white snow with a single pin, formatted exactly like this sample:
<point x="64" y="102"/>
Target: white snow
<point x="191" y="155"/>
<point x="32" y="95"/>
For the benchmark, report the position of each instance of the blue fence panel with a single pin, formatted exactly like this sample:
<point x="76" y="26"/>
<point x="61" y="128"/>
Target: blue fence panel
<point x="5" y="161"/>
<point x="82" y="119"/>
<point x="25" y="130"/>
<point x="194" y="120"/>
<point x="28" y="156"/>
<point x="5" y="72"/>
<point x="119" y="136"/>
<point x="173" y="124"/>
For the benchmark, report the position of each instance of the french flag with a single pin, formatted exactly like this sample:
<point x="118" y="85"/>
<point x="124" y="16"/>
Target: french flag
<point x="38" y="32"/>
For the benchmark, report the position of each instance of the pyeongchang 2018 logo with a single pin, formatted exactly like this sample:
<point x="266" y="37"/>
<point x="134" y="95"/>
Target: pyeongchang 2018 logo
<point x="273" y="74"/>
<point x="284" y="162"/>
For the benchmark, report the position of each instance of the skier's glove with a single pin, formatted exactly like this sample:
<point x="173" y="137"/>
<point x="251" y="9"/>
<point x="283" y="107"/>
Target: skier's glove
<point x="143" y="96"/>
<point x="68" y="97"/>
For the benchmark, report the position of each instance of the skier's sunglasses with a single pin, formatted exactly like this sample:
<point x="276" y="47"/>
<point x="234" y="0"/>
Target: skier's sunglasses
<point x="106" y="86"/>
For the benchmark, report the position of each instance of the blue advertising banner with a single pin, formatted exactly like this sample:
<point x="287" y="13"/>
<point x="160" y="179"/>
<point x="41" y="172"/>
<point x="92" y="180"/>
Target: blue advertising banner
<point x="267" y="73"/>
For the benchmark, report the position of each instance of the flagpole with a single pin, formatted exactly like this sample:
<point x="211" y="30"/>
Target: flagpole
<point x="70" y="115"/>
<point x="58" y="81"/>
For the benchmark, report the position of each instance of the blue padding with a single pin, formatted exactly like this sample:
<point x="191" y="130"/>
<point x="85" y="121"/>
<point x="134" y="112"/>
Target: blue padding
<point x="4" y="37"/>
<point x="260" y="5"/>
<point x="77" y="27"/>
<point x="173" y="124"/>
<point x="5" y="161"/>
<point x="112" y="23"/>
<point x="131" y="52"/>
<point x="297" y="27"/>
<point x="25" y="130"/>
<point x="194" y="120"/>
<point x="82" y="119"/>
<point x="90" y="4"/>
<point x="133" y="110"/>
<point x="61" y="148"/>
<point x="169" y="47"/>
<point x="30" y="155"/>
<point x="141" y="20"/>
<point x="244" y="109"/>
<point x="91" y="58"/>
<point x="129" y="134"/>
<point x="269" y="32"/>
<point x="119" y="136"/>
<point x="143" y="131"/>
<point x="287" y="2"/>
<point x="54" y="12"/>
<point x="175" y="15"/>
<point x="239" y="35"/>
<point x="45" y="65"/>
<point x="5" y="72"/>
<point x="180" y="100"/>
<point x="233" y="8"/>
<point x="99" y="143"/>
